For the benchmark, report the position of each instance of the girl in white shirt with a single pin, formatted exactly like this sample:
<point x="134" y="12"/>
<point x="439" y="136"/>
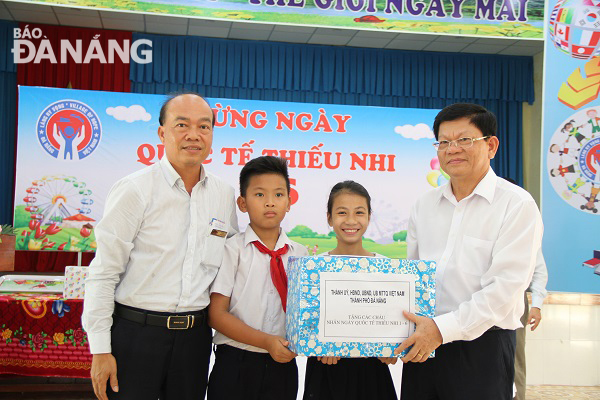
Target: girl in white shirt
<point x="348" y="213"/>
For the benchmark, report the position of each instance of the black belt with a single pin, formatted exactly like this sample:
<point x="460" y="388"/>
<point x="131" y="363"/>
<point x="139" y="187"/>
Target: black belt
<point x="188" y="320"/>
<point x="240" y="354"/>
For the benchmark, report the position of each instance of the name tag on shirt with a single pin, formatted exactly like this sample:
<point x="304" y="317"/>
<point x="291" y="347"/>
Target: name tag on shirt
<point x="217" y="228"/>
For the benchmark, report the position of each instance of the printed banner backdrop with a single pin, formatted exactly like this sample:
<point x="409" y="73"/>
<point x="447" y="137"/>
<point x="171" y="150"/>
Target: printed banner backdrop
<point x="500" y="18"/>
<point x="73" y="145"/>
<point x="571" y="147"/>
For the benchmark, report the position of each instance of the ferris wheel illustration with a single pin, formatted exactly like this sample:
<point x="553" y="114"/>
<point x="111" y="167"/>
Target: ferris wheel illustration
<point x="53" y="198"/>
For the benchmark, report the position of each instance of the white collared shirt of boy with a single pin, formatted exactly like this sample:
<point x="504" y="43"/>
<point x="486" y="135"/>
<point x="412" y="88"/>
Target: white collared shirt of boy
<point x="158" y="248"/>
<point x="539" y="282"/>
<point x="485" y="247"/>
<point x="245" y="277"/>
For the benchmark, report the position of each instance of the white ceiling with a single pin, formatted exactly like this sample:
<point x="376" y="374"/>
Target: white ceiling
<point x="170" y="25"/>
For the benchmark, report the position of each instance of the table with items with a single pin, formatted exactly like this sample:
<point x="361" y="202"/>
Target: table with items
<point x="40" y="331"/>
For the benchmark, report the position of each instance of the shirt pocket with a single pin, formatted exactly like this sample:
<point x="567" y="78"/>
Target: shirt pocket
<point x="215" y="246"/>
<point x="475" y="255"/>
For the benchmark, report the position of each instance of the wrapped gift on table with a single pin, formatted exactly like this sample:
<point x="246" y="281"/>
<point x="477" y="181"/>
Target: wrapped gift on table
<point x="352" y="306"/>
<point x="75" y="282"/>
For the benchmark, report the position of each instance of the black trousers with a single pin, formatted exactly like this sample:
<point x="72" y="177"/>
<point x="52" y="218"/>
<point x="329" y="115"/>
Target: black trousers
<point x="157" y="363"/>
<point x="481" y="369"/>
<point x="349" y="379"/>
<point x="247" y="375"/>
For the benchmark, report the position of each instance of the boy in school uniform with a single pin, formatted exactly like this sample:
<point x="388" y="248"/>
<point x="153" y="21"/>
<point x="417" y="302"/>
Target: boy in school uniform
<point x="248" y="297"/>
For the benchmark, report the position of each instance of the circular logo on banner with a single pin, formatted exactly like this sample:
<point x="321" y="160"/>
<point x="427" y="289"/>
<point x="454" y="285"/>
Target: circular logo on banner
<point x="574" y="160"/>
<point x="69" y="130"/>
<point x="589" y="161"/>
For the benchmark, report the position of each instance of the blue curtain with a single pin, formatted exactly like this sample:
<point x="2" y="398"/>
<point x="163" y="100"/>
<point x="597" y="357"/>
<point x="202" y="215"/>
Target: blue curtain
<point x="8" y="115"/>
<point x="343" y="75"/>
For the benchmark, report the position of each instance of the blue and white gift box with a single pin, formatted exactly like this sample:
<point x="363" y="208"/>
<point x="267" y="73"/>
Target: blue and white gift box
<point x="75" y="282"/>
<point x="352" y="306"/>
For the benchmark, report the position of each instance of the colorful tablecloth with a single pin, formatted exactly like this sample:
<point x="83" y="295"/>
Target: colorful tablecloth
<point x="41" y="335"/>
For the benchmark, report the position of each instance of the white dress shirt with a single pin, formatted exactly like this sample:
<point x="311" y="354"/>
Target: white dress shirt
<point x="485" y="247"/>
<point x="155" y="248"/>
<point x="245" y="277"/>
<point x="539" y="282"/>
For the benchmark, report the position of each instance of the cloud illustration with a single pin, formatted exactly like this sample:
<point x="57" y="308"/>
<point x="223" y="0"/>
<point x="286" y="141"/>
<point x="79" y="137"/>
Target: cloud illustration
<point x="416" y="132"/>
<point x="129" y="114"/>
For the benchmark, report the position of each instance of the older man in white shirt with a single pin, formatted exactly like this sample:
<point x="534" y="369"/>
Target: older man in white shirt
<point x="160" y="244"/>
<point x="484" y="233"/>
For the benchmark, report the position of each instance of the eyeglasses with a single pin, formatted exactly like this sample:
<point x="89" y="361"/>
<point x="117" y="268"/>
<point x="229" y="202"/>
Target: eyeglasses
<point x="463" y="143"/>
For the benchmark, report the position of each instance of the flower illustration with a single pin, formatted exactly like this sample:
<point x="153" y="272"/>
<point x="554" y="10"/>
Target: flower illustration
<point x="39" y="234"/>
<point x="48" y="245"/>
<point x="441" y="28"/>
<point x="386" y="352"/>
<point x="85" y="232"/>
<point x="59" y="307"/>
<point x="33" y="224"/>
<point x="233" y="15"/>
<point x="6" y="334"/>
<point x="62" y="246"/>
<point x="158" y="10"/>
<point x="363" y="262"/>
<point x="59" y="338"/>
<point x="38" y="340"/>
<point x="78" y="335"/>
<point x="53" y="229"/>
<point x="125" y="3"/>
<point x="34" y="245"/>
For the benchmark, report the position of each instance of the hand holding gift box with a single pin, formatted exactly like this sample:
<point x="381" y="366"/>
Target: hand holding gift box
<point x="353" y="306"/>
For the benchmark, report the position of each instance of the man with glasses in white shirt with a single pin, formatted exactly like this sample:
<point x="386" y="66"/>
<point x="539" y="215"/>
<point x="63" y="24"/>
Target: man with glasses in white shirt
<point x="160" y="244"/>
<point x="484" y="233"/>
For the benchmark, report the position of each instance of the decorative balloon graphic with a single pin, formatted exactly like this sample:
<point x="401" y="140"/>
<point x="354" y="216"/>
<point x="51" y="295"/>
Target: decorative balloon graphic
<point x="436" y="177"/>
<point x="574" y="160"/>
<point x="574" y="28"/>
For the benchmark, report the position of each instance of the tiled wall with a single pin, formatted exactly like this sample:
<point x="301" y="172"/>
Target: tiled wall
<point x="565" y="348"/>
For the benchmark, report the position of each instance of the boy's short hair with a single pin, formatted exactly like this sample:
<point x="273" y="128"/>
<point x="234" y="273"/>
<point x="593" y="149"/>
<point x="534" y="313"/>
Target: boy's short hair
<point x="263" y="165"/>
